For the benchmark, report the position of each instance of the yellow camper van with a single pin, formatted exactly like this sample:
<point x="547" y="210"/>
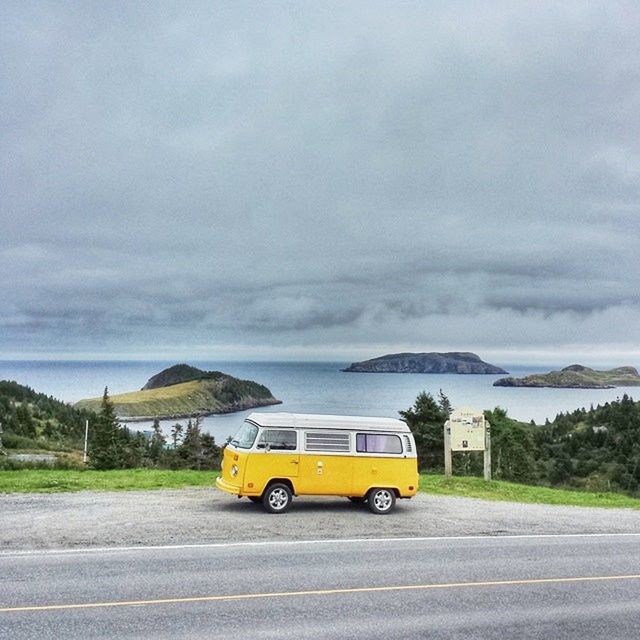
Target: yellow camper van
<point x="275" y="456"/>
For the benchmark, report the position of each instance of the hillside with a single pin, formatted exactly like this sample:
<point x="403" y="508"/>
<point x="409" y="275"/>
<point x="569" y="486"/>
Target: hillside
<point x="452" y="362"/>
<point x="210" y="392"/>
<point x="596" y="449"/>
<point x="174" y="375"/>
<point x="34" y="420"/>
<point x="576" y="377"/>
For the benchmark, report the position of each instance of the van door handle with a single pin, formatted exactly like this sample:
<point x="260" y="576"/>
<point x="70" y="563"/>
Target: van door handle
<point x="294" y="462"/>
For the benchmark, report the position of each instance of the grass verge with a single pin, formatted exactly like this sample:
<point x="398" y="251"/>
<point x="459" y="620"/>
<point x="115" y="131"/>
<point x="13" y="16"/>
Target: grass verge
<point x="512" y="492"/>
<point x="61" y="480"/>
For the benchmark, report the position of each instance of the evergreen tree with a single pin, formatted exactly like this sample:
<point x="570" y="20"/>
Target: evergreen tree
<point x="26" y="413"/>
<point x="190" y="451"/>
<point x="211" y="452"/>
<point x="156" y="444"/>
<point x="134" y="446"/>
<point x="444" y="403"/>
<point x="24" y="421"/>
<point x="426" y="420"/>
<point x="513" y="450"/>
<point x="560" y="471"/>
<point x="176" y="434"/>
<point x="105" y="443"/>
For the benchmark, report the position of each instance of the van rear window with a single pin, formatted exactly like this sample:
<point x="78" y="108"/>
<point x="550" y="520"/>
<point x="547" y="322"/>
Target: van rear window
<point x="377" y="443"/>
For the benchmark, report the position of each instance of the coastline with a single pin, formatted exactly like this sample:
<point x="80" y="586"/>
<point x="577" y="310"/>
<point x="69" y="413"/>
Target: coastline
<point x="200" y="414"/>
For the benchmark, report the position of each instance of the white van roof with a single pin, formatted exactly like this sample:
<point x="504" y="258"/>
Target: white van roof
<point x="316" y="421"/>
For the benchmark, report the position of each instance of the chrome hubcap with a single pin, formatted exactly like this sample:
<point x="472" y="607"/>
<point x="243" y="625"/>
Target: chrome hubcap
<point x="278" y="499"/>
<point x="382" y="500"/>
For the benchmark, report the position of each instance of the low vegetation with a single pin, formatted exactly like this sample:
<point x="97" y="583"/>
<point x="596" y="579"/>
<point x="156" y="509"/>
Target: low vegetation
<point x="59" y="480"/>
<point x="32" y="420"/>
<point x="512" y="492"/>
<point x="178" y="399"/>
<point x="62" y="480"/>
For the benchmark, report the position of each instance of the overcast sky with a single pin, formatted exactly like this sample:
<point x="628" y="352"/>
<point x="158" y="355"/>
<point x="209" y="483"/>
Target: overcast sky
<point x="320" y="179"/>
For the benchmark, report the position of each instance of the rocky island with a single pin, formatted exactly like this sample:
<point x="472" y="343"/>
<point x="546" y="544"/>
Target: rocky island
<point x="183" y="391"/>
<point x="576" y="377"/>
<point x="452" y="362"/>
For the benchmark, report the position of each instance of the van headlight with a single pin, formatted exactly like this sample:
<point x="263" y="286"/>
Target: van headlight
<point x="234" y="470"/>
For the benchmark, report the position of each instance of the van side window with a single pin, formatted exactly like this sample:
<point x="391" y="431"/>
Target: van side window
<point x="278" y="440"/>
<point x="326" y="441"/>
<point x="377" y="443"/>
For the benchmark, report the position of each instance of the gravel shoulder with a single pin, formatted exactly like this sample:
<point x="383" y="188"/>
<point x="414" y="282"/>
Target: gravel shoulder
<point x="204" y="515"/>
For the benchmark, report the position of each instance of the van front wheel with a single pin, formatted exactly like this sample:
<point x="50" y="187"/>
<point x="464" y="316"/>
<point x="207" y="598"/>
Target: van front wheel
<point x="381" y="501"/>
<point x="277" y="498"/>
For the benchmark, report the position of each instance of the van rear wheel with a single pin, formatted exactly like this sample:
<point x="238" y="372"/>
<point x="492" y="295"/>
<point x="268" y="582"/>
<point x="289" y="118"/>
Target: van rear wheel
<point x="277" y="498"/>
<point x="381" y="501"/>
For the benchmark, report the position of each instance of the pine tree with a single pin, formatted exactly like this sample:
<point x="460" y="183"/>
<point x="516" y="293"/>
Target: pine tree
<point x="176" y="434"/>
<point x="156" y="444"/>
<point x="191" y="449"/>
<point x="426" y="420"/>
<point x="444" y="403"/>
<point x="211" y="452"/>
<point x="105" y="448"/>
<point x="513" y="450"/>
<point x="134" y="446"/>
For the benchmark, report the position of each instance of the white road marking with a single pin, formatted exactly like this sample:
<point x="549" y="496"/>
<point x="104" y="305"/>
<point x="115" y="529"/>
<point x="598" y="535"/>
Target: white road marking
<point x="276" y="543"/>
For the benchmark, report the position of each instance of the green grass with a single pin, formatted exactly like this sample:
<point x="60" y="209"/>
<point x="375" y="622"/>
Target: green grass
<point x="61" y="480"/>
<point x="178" y="399"/>
<point x="512" y="492"/>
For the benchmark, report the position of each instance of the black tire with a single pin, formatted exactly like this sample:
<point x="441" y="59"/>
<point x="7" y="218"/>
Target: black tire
<point x="255" y="498"/>
<point x="381" y="501"/>
<point x="357" y="499"/>
<point x="277" y="498"/>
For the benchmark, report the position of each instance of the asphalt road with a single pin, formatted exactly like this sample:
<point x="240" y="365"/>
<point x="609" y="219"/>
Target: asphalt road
<point x="567" y="586"/>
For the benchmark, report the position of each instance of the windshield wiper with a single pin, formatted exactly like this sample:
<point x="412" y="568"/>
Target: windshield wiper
<point x="234" y="441"/>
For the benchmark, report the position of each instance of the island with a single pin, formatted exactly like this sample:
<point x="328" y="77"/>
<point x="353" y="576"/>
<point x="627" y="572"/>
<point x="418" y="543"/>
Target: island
<point x="182" y="391"/>
<point x="576" y="376"/>
<point x="451" y="362"/>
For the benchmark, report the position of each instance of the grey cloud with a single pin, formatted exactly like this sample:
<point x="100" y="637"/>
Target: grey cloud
<point x="317" y="173"/>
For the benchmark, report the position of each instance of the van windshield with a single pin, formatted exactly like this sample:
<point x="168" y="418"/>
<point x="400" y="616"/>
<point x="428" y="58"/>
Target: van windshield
<point x="246" y="435"/>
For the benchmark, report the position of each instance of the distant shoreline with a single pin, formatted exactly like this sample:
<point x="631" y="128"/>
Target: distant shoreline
<point x="200" y="414"/>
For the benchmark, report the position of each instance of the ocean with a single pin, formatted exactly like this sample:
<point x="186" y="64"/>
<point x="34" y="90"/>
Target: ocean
<point x="313" y="387"/>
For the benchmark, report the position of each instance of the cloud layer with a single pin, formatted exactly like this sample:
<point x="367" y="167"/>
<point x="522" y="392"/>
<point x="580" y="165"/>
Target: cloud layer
<point x="319" y="178"/>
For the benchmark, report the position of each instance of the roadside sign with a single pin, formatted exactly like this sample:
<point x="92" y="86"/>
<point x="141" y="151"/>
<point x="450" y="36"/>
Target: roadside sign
<point x="467" y="430"/>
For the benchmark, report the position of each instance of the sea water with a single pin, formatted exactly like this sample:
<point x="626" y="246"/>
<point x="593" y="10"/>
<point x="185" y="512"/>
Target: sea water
<point x="313" y="387"/>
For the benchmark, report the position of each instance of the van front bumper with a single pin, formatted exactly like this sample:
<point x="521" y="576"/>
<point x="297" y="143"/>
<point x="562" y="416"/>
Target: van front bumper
<point x="233" y="489"/>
